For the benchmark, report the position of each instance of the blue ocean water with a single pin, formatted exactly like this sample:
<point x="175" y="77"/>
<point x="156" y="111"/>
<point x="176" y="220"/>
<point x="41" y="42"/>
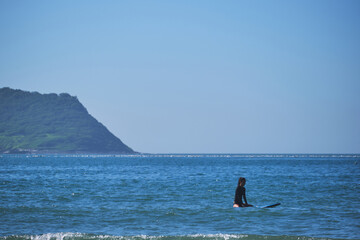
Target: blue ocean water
<point x="190" y="197"/>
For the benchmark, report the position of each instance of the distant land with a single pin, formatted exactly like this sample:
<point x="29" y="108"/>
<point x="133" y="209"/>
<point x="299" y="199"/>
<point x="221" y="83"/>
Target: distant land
<point x="31" y="122"/>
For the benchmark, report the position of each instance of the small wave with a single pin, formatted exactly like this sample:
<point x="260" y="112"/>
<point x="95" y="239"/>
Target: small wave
<point x="84" y="236"/>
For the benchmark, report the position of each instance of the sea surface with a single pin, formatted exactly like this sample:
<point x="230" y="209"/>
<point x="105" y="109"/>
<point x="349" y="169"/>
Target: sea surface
<point x="185" y="197"/>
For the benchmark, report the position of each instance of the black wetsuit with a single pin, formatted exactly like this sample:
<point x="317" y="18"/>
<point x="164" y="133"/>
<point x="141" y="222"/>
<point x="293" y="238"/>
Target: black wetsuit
<point x="239" y="194"/>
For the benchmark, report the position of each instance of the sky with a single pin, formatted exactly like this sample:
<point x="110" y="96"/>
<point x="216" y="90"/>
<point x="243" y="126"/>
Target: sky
<point x="199" y="76"/>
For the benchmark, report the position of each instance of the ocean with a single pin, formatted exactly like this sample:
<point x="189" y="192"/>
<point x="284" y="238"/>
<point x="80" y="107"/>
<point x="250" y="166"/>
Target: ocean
<point x="187" y="197"/>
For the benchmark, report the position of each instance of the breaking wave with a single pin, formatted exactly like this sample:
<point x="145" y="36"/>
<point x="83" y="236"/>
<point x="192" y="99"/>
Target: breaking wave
<point x="84" y="236"/>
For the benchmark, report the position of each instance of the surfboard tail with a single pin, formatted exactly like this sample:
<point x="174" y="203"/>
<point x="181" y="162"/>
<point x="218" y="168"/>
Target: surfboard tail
<point x="273" y="205"/>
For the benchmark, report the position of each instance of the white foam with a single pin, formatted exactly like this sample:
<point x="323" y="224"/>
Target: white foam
<point x="57" y="236"/>
<point x="219" y="236"/>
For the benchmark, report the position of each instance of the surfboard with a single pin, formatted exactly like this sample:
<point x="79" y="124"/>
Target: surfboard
<point x="266" y="206"/>
<point x="271" y="206"/>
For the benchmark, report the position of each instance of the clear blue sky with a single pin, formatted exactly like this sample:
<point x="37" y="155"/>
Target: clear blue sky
<point x="196" y="76"/>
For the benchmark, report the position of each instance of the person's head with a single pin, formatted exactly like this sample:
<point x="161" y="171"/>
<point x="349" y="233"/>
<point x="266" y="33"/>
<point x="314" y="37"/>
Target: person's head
<point x="241" y="182"/>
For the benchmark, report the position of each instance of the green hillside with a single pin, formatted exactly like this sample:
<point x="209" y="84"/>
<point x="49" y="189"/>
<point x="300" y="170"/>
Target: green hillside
<point x="51" y="123"/>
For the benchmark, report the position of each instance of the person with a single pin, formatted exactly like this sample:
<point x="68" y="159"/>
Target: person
<point x="240" y="194"/>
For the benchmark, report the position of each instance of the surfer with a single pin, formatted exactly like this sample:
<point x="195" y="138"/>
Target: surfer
<point x="240" y="193"/>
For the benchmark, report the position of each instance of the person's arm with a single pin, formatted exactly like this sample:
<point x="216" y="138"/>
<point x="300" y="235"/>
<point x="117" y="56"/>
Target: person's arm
<point x="245" y="197"/>
<point x="246" y="203"/>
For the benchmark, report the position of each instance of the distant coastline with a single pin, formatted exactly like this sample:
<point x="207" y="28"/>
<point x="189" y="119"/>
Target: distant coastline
<point x="36" y="123"/>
